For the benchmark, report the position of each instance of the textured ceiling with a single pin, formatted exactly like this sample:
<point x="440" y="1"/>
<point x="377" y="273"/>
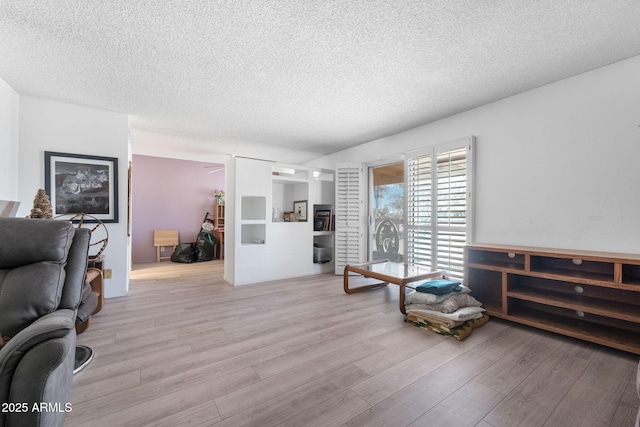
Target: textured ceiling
<point x="294" y="80"/>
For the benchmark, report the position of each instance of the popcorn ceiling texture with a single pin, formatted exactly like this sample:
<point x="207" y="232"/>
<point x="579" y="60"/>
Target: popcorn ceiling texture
<point x="293" y="80"/>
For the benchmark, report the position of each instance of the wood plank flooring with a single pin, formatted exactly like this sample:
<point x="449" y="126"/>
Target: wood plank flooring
<point x="185" y="348"/>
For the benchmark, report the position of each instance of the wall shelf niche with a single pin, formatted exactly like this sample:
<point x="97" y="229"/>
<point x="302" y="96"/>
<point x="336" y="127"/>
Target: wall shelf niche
<point x="253" y="208"/>
<point x="253" y="234"/>
<point x="253" y="230"/>
<point x="289" y="184"/>
<point x="322" y="239"/>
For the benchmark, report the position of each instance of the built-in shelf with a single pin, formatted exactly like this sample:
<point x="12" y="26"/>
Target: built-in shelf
<point x="289" y="184"/>
<point x="253" y="234"/>
<point x="322" y="217"/>
<point x="253" y="208"/>
<point x="261" y="245"/>
<point x="253" y="230"/>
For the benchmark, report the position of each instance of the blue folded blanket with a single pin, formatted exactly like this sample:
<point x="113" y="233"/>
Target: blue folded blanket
<point x="439" y="286"/>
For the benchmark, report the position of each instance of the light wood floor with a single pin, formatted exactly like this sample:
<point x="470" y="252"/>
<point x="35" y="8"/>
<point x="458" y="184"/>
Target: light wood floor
<point x="185" y="348"/>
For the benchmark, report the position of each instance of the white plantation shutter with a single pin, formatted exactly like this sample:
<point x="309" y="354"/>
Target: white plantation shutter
<point x="349" y="245"/>
<point x="438" y="205"/>
<point x="419" y="208"/>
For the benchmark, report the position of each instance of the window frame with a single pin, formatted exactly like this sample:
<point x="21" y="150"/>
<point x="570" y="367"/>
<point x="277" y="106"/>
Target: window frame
<point x="433" y="227"/>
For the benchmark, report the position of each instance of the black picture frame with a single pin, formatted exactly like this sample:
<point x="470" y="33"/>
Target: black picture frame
<point x="319" y="224"/>
<point x="78" y="183"/>
<point x="300" y="210"/>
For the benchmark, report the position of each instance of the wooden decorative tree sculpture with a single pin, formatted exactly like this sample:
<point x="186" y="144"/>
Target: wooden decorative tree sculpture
<point x="41" y="206"/>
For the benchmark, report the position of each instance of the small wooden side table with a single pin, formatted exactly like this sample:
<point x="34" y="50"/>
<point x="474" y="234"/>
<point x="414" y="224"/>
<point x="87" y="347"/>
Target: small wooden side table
<point x="162" y="238"/>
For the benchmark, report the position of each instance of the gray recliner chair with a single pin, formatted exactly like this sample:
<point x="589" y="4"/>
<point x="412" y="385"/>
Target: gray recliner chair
<point x="42" y="271"/>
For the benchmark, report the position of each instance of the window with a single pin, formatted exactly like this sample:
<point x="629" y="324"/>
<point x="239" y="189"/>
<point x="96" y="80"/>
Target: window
<point x="438" y="205"/>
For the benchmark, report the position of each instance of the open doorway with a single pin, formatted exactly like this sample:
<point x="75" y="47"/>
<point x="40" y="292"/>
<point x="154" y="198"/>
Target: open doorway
<point x="170" y="194"/>
<point x="386" y="212"/>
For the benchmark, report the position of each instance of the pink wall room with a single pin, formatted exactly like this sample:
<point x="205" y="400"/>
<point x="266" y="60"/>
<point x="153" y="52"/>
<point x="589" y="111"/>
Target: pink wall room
<point x="169" y="194"/>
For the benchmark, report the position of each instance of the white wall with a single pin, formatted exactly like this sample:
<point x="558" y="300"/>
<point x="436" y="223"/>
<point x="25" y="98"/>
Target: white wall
<point x="9" y="105"/>
<point x="557" y="166"/>
<point x="230" y="235"/>
<point x="54" y="126"/>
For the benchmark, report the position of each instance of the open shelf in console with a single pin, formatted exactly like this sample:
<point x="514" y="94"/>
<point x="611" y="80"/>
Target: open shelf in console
<point x="486" y="286"/>
<point x="631" y="274"/>
<point x="573" y="267"/>
<point x="597" y="329"/>
<point x="580" y="298"/>
<point x="499" y="259"/>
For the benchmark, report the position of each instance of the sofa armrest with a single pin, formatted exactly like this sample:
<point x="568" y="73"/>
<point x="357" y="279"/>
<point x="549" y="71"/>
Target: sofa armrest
<point x="49" y="344"/>
<point x="52" y="325"/>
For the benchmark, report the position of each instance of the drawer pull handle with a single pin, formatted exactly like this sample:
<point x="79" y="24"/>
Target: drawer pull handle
<point x="511" y="255"/>
<point x="578" y="289"/>
<point x="577" y="261"/>
<point x="579" y="313"/>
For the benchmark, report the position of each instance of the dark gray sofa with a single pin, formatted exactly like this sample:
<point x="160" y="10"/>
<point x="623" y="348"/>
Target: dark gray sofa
<point x="42" y="271"/>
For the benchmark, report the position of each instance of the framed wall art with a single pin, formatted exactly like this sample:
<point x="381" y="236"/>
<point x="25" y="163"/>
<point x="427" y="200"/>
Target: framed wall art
<point x="78" y="183"/>
<point x="300" y="210"/>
